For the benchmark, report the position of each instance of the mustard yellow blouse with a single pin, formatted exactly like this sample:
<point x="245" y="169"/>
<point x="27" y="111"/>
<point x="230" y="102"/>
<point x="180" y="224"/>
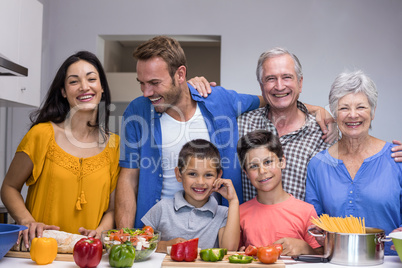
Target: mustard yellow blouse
<point x="65" y="190"/>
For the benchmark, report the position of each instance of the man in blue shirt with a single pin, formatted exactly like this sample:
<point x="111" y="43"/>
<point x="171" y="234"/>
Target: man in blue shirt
<point x="170" y="113"/>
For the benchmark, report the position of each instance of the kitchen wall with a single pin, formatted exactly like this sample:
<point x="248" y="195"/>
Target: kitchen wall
<point x="328" y="37"/>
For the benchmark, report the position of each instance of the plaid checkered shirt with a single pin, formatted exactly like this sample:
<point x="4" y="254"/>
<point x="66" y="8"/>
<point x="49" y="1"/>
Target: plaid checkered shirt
<point x="298" y="147"/>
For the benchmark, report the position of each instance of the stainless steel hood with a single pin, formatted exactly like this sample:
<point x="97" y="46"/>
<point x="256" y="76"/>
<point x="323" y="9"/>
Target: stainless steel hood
<point x="9" y="68"/>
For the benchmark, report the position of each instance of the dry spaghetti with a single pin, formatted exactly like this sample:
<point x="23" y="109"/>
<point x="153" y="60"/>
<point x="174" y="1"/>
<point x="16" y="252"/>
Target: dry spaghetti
<point x="340" y="225"/>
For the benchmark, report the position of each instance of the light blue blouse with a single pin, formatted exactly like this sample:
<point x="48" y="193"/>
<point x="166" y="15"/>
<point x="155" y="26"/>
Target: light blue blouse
<point x="375" y="193"/>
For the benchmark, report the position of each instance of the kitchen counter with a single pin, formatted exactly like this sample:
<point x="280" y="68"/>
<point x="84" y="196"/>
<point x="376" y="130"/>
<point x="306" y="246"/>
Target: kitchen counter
<point x="157" y="258"/>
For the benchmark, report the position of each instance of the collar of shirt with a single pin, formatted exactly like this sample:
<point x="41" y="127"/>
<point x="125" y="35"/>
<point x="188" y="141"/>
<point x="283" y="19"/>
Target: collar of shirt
<point x="310" y="120"/>
<point x="194" y="95"/>
<point x="180" y="202"/>
<point x="300" y="106"/>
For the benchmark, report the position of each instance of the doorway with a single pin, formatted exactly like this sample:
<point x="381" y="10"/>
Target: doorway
<point x="203" y="55"/>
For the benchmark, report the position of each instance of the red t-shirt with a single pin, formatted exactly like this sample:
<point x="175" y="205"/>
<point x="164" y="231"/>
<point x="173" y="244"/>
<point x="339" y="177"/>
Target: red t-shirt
<point x="261" y="225"/>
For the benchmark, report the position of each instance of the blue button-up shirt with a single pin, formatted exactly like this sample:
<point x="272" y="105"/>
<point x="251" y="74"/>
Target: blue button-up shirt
<point x="141" y="139"/>
<point x="374" y="194"/>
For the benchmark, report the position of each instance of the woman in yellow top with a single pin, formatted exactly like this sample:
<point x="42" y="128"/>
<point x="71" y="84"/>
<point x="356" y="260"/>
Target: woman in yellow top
<point x="68" y="159"/>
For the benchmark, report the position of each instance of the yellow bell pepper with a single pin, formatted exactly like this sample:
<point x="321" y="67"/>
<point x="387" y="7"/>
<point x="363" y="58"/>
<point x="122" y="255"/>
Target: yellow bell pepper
<point x="43" y="250"/>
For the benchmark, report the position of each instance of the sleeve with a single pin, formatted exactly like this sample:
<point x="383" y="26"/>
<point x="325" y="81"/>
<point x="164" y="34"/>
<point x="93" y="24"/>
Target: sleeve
<point x="132" y="127"/>
<point x="312" y="191"/>
<point x="153" y="216"/>
<point x="114" y="145"/>
<point x="307" y="237"/>
<point x="239" y="103"/>
<point x="35" y="144"/>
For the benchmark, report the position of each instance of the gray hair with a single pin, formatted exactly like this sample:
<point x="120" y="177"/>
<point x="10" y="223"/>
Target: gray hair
<point x="275" y="52"/>
<point x="353" y="82"/>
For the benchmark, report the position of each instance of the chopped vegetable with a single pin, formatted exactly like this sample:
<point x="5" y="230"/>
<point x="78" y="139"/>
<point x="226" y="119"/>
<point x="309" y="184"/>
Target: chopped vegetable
<point x="185" y="251"/>
<point x="212" y="254"/>
<point x="251" y="250"/>
<point x="144" y="240"/>
<point x="240" y="259"/>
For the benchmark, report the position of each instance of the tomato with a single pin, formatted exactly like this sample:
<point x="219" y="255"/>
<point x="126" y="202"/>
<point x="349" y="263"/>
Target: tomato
<point x="268" y="254"/>
<point x="134" y="240"/>
<point x="119" y="236"/>
<point x="148" y="235"/>
<point x="279" y="247"/>
<point x="148" y="229"/>
<point x="148" y="232"/>
<point x="251" y="250"/>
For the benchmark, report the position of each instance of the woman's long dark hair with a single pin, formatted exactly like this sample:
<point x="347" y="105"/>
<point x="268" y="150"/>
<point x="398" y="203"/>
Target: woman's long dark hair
<point x="55" y="107"/>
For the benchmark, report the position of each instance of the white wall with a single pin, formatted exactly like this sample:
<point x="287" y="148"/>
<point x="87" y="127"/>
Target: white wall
<point x="327" y="36"/>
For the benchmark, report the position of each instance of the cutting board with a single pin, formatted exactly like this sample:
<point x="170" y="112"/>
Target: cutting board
<point x="25" y="255"/>
<point x="168" y="262"/>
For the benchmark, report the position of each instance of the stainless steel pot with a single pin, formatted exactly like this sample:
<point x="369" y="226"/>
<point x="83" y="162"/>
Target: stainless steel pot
<point x="351" y="249"/>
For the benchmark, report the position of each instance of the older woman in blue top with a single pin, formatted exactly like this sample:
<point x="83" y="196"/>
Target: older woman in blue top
<point x="357" y="175"/>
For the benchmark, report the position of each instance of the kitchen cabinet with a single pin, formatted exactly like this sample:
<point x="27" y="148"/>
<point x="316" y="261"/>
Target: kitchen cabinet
<point x="21" y="42"/>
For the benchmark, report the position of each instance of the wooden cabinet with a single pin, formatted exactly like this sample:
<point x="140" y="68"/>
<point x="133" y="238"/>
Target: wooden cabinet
<point x="21" y="42"/>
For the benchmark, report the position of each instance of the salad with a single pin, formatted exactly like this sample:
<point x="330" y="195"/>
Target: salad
<point x="144" y="240"/>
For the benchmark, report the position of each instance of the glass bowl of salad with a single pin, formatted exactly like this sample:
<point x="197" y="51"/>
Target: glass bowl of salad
<point x="144" y="240"/>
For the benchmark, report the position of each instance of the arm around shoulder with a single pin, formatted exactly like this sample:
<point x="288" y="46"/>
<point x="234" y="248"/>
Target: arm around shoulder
<point x="397" y="151"/>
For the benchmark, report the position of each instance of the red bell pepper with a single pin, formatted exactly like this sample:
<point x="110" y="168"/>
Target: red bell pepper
<point x="88" y="252"/>
<point x="185" y="251"/>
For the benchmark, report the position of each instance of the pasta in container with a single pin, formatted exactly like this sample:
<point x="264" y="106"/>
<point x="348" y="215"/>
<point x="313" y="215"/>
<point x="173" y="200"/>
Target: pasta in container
<point x="352" y="225"/>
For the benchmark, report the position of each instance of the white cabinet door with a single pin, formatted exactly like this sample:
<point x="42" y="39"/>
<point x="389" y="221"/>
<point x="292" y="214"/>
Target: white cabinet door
<point x="30" y="51"/>
<point x="9" y="27"/>
<point x="23" y="46"/>
<point x="9" y="21"/>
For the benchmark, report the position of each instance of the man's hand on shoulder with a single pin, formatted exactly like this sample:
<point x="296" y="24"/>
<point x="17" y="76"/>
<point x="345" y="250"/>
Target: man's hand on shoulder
<point x="201" y="84"/>
<point x="325" y="121"/>
<point x="397" y="151"/>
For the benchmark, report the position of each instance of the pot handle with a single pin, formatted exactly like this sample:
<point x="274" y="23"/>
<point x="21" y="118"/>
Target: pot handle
<point x="313" y="234"/>
<point x="384" y="239"/>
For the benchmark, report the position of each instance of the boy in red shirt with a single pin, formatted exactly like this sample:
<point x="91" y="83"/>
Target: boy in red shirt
<point x="273" y="216"/>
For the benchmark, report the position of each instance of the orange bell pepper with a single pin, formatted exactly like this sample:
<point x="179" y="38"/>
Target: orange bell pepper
<point x="43" y="250"/>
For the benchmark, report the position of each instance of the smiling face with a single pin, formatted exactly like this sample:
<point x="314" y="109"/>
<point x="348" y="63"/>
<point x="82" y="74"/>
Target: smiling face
<point x="280" y="86"/>
<point x="198" y="177"/>
<point x="82" y="86"/>
<point x="264" y="170"/>
<point x="354" y="115"/>
<point x="157" y="85"/>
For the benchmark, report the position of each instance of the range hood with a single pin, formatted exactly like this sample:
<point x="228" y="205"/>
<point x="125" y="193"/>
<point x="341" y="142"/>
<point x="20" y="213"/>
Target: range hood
<point x="9" y="68"/>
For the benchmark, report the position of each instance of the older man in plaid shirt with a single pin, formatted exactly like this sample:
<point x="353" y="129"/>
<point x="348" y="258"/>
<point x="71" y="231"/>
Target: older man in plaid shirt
<point x="280" y="76"/>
